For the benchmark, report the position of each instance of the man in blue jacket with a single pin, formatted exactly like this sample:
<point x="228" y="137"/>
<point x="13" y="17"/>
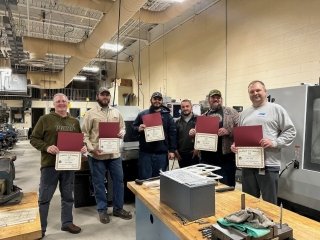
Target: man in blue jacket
<point x="153" y="156"/>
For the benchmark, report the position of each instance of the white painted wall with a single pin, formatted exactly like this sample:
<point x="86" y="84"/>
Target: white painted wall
<point x="227" y="47"/>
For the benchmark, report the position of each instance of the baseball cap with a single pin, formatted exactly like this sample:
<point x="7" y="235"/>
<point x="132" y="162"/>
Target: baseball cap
<point x="214" y="92"/>
<point x="156" y="94"/>
<point x="103" y="89"/>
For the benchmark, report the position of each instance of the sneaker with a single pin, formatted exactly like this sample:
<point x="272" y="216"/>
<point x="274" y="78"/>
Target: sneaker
<point x="121" y="213"/>
<point x="104" y="217"/>
<point x="71" y="228"/>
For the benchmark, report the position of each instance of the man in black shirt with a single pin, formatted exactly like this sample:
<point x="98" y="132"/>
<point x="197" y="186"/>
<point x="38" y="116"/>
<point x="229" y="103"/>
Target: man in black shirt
<point x="185" y="153"/>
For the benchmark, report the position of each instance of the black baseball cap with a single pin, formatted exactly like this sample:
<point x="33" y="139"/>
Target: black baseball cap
<point x="156" y="95"/>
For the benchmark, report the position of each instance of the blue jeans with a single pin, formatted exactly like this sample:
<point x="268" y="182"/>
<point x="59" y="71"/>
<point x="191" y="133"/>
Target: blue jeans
<point x="98" y="170"/>
<point x="48" y="183"/>
<point x="150" y="164"/>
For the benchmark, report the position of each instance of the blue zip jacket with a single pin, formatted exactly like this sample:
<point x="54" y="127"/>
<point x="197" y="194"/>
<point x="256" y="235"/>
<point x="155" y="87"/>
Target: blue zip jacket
<point x="170" y="132"/>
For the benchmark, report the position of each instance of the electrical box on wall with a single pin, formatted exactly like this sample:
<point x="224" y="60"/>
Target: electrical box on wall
<point x="26" y="103"/>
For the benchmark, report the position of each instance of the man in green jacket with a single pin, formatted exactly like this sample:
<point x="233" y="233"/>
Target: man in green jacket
<point x="44" y="138"/>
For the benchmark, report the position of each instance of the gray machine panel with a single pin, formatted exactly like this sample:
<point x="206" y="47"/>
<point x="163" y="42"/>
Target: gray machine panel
<point x="300" y="186"/>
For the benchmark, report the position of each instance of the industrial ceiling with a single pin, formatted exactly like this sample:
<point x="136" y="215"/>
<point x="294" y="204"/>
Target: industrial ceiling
<point x="55" y="39"/>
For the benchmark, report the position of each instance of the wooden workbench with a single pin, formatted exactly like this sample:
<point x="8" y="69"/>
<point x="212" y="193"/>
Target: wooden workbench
<point x="31" y="230"/>
<point x="226" y="203"/>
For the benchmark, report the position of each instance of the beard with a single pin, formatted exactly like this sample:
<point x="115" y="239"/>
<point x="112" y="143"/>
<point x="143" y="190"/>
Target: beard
<point x="103" y="103"/>
<point x="156" y="107"/>
<point x="215" y="107"/>
<point x="186" y="114"/>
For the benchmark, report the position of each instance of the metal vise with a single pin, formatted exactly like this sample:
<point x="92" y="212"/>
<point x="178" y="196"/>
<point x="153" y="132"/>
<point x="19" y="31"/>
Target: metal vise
<point x="9" y="193"/>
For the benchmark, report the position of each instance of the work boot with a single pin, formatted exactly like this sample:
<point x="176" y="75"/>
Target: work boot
<point x="104" y="217"/>
<point x="71" y="228"/>
<point x="121" y="213"/>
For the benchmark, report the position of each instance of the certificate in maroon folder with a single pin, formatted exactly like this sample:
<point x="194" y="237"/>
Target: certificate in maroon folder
<point x="152" y="119"/>
<point x="206" y="124"/>
<point x="247" y="136"/>
<point x="70" y="141"/>
<point x="109" y="129"/>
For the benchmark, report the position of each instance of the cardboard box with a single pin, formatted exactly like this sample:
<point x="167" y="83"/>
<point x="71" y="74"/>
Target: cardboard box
<point x="123" y="82"/>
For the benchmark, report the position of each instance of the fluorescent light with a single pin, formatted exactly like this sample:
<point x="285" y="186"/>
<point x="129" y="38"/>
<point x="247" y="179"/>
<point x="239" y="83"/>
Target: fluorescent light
<point x="91" y="69"/>
<point x="79" y="78"/>
<point x="112" y="47"/>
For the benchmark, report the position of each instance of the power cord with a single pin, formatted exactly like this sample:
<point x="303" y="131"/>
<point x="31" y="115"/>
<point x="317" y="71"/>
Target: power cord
<point x="295" y="165"/>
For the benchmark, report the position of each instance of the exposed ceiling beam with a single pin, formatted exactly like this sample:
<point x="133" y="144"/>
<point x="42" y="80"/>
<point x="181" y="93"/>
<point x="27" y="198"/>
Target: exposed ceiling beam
<point x="146" y="41"/>
<point x="109" y="60"/>
<point x="84" y="51"/>
<point x="58" y="12"/>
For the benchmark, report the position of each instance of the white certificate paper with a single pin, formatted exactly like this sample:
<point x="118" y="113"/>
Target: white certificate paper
<point x="67" y="160"/>
<point x="109" y="145"/>
<point x="154" y="133"/>
<point x="250" y="157"/>
<point x="206" y="142"/>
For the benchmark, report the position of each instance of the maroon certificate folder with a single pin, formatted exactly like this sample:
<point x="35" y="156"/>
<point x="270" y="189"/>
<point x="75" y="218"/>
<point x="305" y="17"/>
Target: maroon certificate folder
<point x="247" y="136"/>
<point x="70" y="141"/>
<point x="152" y="119"/>
<point x="109" y="129"/>
<point x="206" y="124"/>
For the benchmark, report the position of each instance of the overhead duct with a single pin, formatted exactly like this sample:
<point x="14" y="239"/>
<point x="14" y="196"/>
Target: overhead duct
<point x="99" y="5"/>
<point x="164" y="16"/>
<point x="81" y="53"/>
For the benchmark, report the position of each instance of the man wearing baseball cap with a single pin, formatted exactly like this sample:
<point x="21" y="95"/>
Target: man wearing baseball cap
<point x="153" y="156"/>
<point x="99" y="161"/>
<point x="224" y="157"/>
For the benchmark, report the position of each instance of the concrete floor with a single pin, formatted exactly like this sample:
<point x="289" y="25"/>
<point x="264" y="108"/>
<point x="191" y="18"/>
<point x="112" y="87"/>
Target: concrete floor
<point x="28" y="178"/>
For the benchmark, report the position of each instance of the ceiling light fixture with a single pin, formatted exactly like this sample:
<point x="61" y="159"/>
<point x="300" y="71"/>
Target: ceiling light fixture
<point x="112" y="47"/>
<point x="91" y="69"/>
<point x="79" y="78"/>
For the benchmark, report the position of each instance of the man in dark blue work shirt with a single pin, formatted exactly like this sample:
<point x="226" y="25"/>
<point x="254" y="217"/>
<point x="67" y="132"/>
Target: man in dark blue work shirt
<point x="153" y="156"/>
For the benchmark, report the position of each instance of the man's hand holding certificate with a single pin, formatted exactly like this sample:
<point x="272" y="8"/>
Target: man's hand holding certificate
<point x="206" y="138"/>
<point x="154" y="128"/>
<point x="109" y="141"/>
<point x="249" y="153"/>
<point x="69" y="156"/>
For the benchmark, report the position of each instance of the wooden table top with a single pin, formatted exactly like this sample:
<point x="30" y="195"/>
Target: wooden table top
<point x="226" y="203"/>
<point x="31" y="230"/>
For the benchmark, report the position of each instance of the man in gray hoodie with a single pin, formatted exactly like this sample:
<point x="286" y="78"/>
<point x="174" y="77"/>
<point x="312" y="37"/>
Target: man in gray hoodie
<point x="278" y="132"/>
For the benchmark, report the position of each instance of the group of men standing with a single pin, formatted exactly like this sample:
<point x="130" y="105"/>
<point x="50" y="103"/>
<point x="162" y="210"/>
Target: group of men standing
<point x="44" y="138"/>
<point x="278" y="132"/>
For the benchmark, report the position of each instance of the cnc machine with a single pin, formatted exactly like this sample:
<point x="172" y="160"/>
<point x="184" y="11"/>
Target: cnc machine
<point x="299" y="184"/>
